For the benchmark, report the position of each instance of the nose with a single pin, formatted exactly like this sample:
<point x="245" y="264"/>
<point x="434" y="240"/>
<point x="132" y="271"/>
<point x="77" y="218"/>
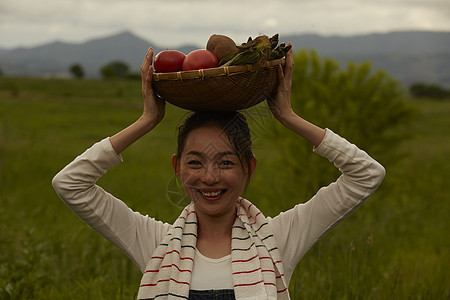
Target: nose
<point x="210" y="175"/>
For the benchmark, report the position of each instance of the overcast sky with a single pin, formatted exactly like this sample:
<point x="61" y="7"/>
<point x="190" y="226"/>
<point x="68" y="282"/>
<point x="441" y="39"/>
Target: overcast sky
<point x="170" y="23"/>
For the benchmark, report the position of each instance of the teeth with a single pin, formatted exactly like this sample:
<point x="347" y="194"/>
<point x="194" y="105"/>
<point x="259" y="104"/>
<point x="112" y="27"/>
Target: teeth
<point x="211" y="194"/>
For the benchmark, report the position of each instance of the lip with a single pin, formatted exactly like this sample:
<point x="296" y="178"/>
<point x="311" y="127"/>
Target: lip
<point x="211" y="194"/>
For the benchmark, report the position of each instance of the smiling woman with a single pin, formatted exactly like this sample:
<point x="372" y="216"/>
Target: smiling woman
<point x="235" y="131"/>
<point x="214" y="163"/>
<point x="210" y="172"/>
<point x="221" y="244"/>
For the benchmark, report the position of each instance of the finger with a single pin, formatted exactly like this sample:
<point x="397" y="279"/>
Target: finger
<point x="147" y="78"/>
<point x="289" y="67"/>
<point x="280" y="73"/>
<point x="289" y="54"/>
<point x="146" y="68"/>
<point x="282" y="80"/>
<point x="149" y="75"/>
<point x="147" y="60"/>
<point x="290" y="58"/>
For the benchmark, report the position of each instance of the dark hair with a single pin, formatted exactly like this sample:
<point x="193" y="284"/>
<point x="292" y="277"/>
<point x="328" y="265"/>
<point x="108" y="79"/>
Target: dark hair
<point x="234" y="126"/>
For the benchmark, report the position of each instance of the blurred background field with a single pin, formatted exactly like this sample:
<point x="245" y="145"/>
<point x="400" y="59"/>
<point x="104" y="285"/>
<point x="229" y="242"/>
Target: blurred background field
<point x="395" y="246"/>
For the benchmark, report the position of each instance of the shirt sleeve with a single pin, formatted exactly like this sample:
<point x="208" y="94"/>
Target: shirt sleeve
<point x="133" y="233"/>
<point x="298" y="229"/>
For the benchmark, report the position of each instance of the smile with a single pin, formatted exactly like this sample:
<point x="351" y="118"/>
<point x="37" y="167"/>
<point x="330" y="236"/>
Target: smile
<point x="212" y="194"/>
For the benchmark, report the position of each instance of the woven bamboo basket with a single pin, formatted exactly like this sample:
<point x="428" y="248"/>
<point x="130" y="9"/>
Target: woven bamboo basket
<point x="219" y="89"/>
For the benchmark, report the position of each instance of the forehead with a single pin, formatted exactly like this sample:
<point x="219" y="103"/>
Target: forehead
<point x="208" y="140"/>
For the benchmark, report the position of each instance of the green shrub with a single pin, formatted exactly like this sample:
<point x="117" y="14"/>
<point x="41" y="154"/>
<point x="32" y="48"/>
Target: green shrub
<point x="363" y="106"/>
<point x="114" y="69"/>
<point x="422" y="90"/>
<point x="77" y="71"/>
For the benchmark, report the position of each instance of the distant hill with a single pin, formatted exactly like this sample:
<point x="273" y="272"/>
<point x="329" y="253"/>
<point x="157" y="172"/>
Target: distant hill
<point x="410" y="56"/>
<point x="418" y="42"/>
<point x="54" y="59"/>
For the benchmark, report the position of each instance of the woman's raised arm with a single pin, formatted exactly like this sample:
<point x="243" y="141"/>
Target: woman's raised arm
<point x="153" y="112"/>
<point x="282" y="109"/>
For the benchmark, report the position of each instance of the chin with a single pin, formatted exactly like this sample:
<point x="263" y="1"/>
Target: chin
<point x="214" y="208"/>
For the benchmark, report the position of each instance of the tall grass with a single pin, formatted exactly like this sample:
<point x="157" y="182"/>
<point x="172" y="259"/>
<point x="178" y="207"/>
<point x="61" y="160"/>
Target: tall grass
<point x="394" y="247"/>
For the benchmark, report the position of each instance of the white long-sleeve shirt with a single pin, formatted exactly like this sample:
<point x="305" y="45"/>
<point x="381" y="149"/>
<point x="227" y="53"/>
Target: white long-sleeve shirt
<point x="295" y="230"/>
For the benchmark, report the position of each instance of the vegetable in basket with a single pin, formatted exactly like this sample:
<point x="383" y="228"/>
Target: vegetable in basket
<point x="200" y="59"/>
<point x="258" y="50"/>
<point x="169" y="61"/>
<point x="222" y="51"/>
<point x="221" y="45"/>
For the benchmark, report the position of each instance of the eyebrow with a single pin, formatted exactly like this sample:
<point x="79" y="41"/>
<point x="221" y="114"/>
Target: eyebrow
<point x="220" y="154"/>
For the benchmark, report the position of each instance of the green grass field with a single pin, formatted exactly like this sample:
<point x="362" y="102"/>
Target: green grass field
<point x="395" y="246"/>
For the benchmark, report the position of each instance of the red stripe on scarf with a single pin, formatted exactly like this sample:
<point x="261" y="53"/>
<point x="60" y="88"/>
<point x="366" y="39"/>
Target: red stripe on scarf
<point x="251" y="271"/>
<point x="269" y="283"/>
<point x="254" y="222"/>
<point x="192" y="212"/>
<point x="174" y="265"/>
<point x="160" y="257"/>
<point x="163" y="280"/>
<point x="247" y="272"/>
<point x="248" y="284"/>
<point x="167" y="266"/>
<point x="245" y="260"/>
<point x="170" y="252"/>
<point x="250" y="217"/>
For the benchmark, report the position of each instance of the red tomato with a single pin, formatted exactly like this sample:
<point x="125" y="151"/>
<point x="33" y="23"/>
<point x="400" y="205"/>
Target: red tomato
<point x="169" y="61"/>
<point x="200" y="59"/>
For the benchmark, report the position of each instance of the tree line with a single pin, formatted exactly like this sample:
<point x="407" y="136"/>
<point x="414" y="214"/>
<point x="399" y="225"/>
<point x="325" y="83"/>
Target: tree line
<point x="120" y="70"/>
<point x="113" y="70"/>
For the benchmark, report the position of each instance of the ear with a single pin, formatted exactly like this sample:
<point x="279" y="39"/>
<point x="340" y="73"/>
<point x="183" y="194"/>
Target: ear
<point x="175" y="164"/>
<point x="252" y="166"/>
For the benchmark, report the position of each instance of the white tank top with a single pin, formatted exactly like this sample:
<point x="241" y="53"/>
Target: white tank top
<point x="211" y="274"/>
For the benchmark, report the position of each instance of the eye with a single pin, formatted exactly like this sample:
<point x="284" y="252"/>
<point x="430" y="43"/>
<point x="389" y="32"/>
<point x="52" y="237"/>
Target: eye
<point x="226" y="164"/>
<point x="194" y="163"/>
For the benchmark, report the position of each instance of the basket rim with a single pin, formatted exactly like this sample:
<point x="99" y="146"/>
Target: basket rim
<point x="218" y="71"/>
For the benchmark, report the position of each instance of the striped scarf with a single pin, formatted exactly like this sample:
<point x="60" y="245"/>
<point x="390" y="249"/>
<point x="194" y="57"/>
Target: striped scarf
<point x="256" y="263"/>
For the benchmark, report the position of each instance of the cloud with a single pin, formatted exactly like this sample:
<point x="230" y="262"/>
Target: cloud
<point x="26" y="22"/>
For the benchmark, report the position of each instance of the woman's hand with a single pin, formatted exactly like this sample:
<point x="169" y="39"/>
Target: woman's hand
<point x="154" y="106"/>
<point x="281" y="105"/>
<point x="153" y="112"/>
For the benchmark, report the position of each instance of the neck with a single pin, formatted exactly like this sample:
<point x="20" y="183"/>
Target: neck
<point x="210" y="227"/>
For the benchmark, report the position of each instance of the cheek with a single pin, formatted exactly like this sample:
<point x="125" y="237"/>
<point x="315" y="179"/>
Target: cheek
<point x="236" y="179"/>
<point x="188" y="176"/>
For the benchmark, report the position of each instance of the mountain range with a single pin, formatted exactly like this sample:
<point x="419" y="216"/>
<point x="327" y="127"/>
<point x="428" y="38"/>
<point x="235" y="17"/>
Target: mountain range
<point x="408" y="56"/>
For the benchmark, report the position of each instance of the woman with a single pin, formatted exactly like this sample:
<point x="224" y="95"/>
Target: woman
<point x="221" y="246"/>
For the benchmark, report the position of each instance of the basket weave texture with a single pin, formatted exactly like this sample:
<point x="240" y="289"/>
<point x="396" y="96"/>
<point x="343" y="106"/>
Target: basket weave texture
<point x="219" y="89"/>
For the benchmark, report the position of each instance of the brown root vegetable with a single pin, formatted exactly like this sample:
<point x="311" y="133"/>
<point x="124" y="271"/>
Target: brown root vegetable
<point x="221" y="45"/>
<point x="254" y="51"/>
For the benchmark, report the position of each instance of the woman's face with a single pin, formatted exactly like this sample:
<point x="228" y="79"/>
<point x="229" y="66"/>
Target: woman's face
<point x="210" y="171"/>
